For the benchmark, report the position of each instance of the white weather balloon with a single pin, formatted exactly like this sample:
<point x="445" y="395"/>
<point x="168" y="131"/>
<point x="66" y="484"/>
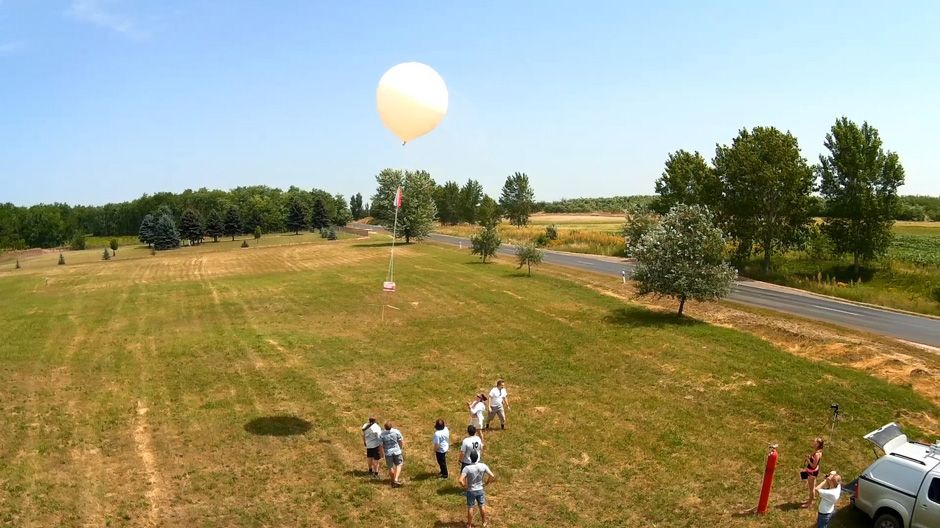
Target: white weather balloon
<point x="412" y="99"/>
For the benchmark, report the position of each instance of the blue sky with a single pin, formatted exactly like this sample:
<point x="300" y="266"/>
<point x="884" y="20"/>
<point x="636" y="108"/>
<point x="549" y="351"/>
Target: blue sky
<point x="105" y="100"/>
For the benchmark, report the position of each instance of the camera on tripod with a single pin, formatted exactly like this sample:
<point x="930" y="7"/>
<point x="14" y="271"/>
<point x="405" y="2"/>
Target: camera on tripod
<point x="835" y="409"/>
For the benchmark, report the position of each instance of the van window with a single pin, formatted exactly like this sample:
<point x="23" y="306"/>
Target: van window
<point x="934" y="492"/>
<point x="898" y="474"/>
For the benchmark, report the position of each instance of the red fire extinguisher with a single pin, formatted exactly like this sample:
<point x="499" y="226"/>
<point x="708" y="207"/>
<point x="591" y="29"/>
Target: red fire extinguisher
<point x="768" y="479"/>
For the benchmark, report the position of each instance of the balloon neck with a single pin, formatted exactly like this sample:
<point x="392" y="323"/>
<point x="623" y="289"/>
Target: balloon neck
<point x="403" y="143"/>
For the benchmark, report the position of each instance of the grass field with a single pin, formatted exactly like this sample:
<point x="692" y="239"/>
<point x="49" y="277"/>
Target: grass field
<point x="214" y="386"/>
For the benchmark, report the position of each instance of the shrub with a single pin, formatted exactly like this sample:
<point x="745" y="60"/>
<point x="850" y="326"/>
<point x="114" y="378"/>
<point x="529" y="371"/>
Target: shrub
<point x="77" y="243"/>
<point x="257" y="232"/>
<point x="61" y="259"/>
<point x="153" y="251"/>
<point x="331" y="234"/>
<point x="323" y="232"/>
<point x="551" y="232"/>
<point x="18" y="267"/>
<point x="543" y="239"/>
<point x="935" y="294"/>
<point x="244" y="243"/>
<point x="106" y="255"/>
<point x="114" y="245"/>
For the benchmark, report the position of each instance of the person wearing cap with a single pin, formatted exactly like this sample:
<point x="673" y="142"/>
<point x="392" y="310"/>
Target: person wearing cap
<point x="829" y="491"/>
<point x="370" y="439"/>
<point x="472" y="478"/>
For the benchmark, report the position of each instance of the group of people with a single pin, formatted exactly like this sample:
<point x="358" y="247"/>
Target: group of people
<point x="828" y="491"/>
<point x="388" y="443"/>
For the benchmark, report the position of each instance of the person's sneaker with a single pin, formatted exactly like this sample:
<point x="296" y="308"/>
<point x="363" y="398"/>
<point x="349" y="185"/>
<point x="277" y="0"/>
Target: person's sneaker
<point x="443" y="477"/>
<point x="375" y="475"/>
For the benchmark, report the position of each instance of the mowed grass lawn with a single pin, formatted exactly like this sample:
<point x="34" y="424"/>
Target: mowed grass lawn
<point x="147" y="392"/>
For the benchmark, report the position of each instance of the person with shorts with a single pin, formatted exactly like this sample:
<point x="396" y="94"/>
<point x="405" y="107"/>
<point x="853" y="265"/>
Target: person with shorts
<point x="441" y="445"/>
<point x="392" y="444"/>
<point x="472" y="443"/>
<point x="472" y="478"/>
<point x="811" y="470"/>
<point x="499" y="404"/>
<point x="477" y="410"/>
<point x="370" y="439"/>
<point x="829" y="491"/>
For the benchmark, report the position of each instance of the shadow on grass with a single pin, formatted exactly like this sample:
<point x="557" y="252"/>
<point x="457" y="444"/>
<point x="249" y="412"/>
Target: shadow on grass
<point x="450" y="524"/>
<point x="278" y="426"/>
<point x="790" y="506"/>
<point x="358" y="473"/>
<point x="641" y="317"/>
<point x="426" y="476"/>
<point x="378" y="245"/>
<point x="451" y="490"/>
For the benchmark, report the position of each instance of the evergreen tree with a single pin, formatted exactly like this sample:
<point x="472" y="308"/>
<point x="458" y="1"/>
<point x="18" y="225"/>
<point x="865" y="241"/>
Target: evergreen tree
<point x="257" y="232"/>
<point x="215" y="226"/>
<point x="145" y="233"/>
<point x="114" y="245"/>
<point x="341" y="214"/>
<point x="191" y="226"/>
<point x="233" y="222"/>
<point x="683" y="257"/>
<point x="297" y="215"/>
<point x="319" y="217"/>
<point x="517" y="199"/>
<point x="165" y="235"/>
<point x="106" y="255"/>
<point x="355" y="206"/>
<point x="61" y="259"/>
<point x="17" y="264"/>
<point x="860" y="182"/>
<point x="471" y="195"/>
<point x="447" y="200"/>
<point x="488" y="212"/>
<point x="485" y="242"/>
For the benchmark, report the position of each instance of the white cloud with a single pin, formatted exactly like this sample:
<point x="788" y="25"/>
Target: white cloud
<point x="99" y="13"/>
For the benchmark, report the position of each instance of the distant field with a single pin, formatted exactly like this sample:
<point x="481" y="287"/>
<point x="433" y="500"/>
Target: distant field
<point x="215" y="386"/>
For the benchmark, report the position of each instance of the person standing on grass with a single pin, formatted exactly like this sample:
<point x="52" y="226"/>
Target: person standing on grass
<point x="477" y="409"/>
<point x="373" y="444"/>
<point x="392" y="443"/>
<point x="499" y="404"/>
<point x="829" y="491"/>
<point x="811" y="471"/>
<point x="441" y="445"/>
<point x="471" y="444"/>
<point x="472" y="478"/>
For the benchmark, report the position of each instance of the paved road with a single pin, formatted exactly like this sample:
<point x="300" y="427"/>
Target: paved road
<point x="885" y="322"/>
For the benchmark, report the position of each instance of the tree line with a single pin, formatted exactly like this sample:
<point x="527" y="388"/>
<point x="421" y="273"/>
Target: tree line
<point x="760" y="191"/>
<point x="259" y="208"/>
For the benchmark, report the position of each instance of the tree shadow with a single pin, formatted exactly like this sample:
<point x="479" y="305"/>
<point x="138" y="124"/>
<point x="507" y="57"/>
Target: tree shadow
<point x="278" y="426"/>
<point x="637" y="317"/>
<point x="450" y="524"/>
<point x="376" y="245"/>
<point x="477" y="263"/>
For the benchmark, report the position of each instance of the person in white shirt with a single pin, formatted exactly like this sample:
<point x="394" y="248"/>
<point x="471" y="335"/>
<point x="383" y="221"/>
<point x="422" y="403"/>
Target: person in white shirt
<point x="829" y="491"/>
<point x="499" y="404"/>
<point x="472" y="478"/>
<point x="471" y="444"/>
<point x="370" y="439"/>
<point x="477" y="410"/>
<point x="441" y="445"/>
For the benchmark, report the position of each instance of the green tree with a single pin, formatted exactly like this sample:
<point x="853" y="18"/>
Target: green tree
<point x="233" y="222"/>
<point x="859" y="181"/>
<point x="517" y="200"/>
<point x="639" y="220"/>
<point x="766" y="187"/>
<point x="320" y="217"/>
<point x="43" y="226"/>
<point x="471" y="194"/>
<point x="191" y="226"/>
<point x="257" y="232"/>
<point x="341" y="214"/>
<point x="527" y="255"/>
<point x="78" y="242"/>
<point x="61" y="259"/>
<point x="417" y="213"/>
<point x="17" y="264"/>
<point x="686" y="179"/>
<point x="447" y="200"/>
<point x="486" y="242"/>
<point x="355" y="206"/>
<point x="682" y="258"/>
<point x="296" y="215"/>
<point x="145" y="233"/>
<point x="106" y="255"/>
<point x="488" y="213"/>
<point x="114" y="245"/>
<point x="215" y="225"/>
<point x="165" y="234"/>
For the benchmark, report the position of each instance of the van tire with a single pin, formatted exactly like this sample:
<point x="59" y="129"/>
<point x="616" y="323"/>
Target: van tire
<point x="888" y="520"/>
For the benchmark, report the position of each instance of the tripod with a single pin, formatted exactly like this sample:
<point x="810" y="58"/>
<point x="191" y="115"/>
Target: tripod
<point x="833" y="420"/>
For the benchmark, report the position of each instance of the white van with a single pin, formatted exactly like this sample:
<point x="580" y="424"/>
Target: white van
<point x="902" y="488"/>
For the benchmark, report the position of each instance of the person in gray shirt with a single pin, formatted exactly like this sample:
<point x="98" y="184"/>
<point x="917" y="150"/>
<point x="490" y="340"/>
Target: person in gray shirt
<point x="472" y="478"/>
<point x="392" y="443"/>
